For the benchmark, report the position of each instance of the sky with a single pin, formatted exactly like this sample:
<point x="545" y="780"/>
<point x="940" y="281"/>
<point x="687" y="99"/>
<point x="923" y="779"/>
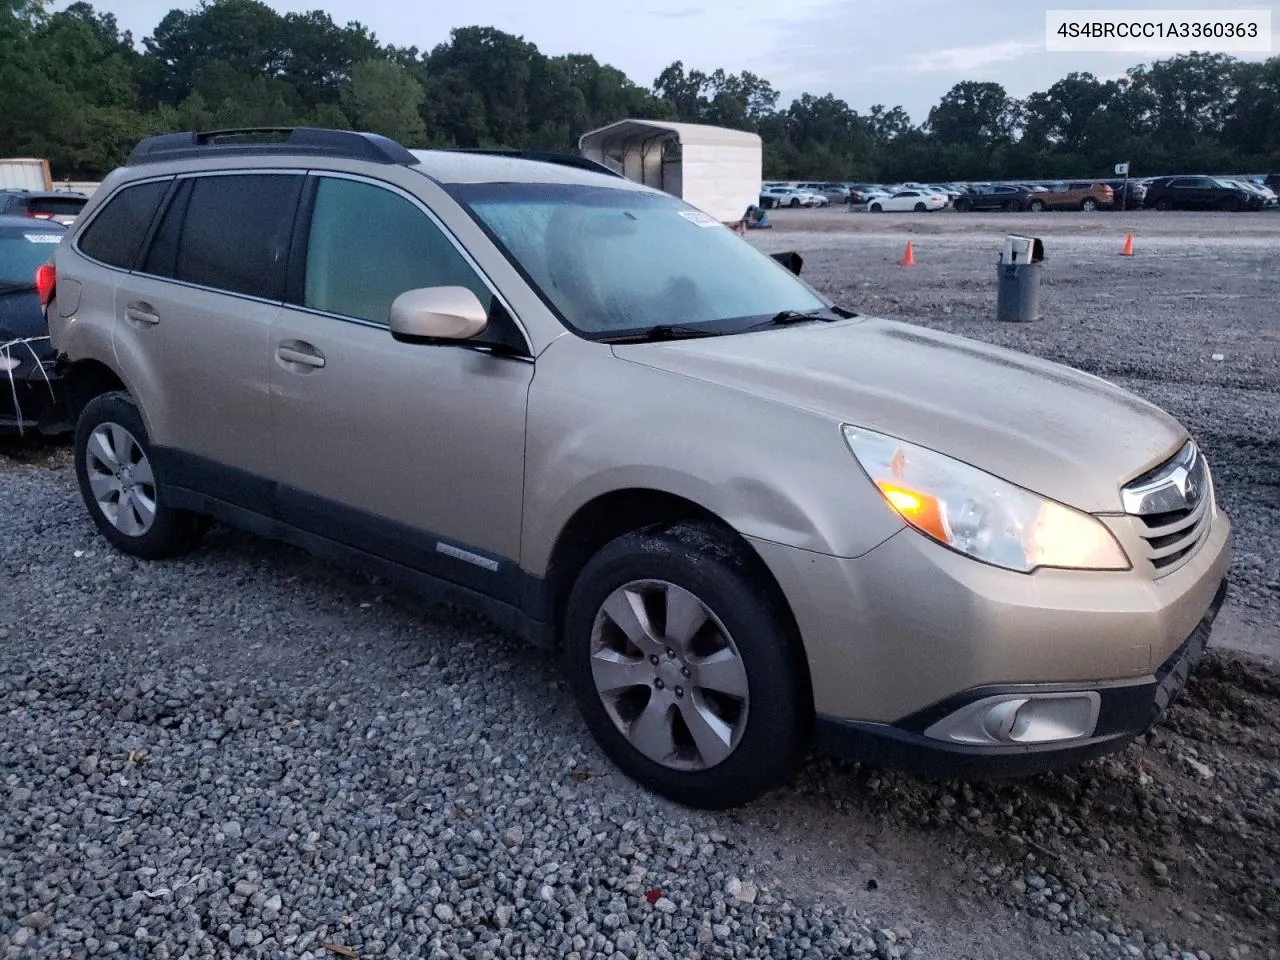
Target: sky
<point x="891" y="52"/>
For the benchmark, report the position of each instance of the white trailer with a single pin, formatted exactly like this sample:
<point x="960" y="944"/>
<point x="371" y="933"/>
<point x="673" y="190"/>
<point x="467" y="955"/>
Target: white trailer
<point x="25" y="173"/>
<point x="715" y="169"/>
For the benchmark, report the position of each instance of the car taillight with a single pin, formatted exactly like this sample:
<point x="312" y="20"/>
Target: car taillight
<point x="35" y="214"/>
<point x="46" y="278"/>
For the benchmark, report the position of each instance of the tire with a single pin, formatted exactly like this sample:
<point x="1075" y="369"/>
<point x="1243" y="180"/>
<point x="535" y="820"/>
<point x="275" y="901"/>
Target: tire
<point x="876" y="208"/>
<point x="795" y="202"/>
<point x="1229" y="205"/>
<point x="920" y="208"/>
<point x="1164" y="203"/>
<point x="744" y="630"/>
<point x="114" y="466"/>
<point x="963" y="206"/>
<point x="1035" y="206"/>
<point x="1088" y="204"/>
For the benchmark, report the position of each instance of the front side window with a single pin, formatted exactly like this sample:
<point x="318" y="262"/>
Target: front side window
<point x="368" y="245"/>
<point x="116" y="233"/>
<point x="229" y="232"/>
<point x="611" y="260"/>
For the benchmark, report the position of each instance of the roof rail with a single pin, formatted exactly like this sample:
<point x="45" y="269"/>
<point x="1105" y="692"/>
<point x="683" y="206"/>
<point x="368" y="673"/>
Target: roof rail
<point x="315" y="141"/>
<point x="544" y="156"/>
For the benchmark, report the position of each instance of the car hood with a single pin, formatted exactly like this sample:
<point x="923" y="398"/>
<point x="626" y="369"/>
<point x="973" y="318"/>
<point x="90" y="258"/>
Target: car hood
<point x="1049" y="428"/>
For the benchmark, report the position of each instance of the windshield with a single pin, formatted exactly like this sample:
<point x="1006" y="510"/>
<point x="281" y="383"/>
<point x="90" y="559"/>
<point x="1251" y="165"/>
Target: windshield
<point x="21" y="252"/>
<point x="612" y="261"/>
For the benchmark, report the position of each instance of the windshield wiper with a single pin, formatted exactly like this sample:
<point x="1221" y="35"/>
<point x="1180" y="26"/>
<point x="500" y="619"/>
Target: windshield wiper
<point x="784" y="317"/>
<point x="662" y="331"/>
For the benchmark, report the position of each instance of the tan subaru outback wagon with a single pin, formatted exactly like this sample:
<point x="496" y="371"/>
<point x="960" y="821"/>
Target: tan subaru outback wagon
<point x="753" y="521"/>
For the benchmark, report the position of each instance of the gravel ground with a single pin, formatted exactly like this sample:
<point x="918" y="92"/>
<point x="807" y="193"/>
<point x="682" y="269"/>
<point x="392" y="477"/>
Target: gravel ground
<point x="248" y="753"/>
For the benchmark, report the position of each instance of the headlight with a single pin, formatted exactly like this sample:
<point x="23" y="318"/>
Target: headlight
<point x="980" y="515"/>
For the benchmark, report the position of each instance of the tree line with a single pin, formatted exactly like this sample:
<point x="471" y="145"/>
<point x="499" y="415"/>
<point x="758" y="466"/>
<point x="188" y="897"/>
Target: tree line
<point x="79" y="91"/>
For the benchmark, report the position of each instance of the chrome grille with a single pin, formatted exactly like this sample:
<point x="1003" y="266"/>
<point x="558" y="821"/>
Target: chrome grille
<point x="1173" y="504"/>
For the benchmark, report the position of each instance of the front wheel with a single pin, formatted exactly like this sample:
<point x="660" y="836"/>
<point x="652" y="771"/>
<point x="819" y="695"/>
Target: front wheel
<point x="1036" y="206"/>
<point x="685" y="668"/>
<point x="795" y="202"/>
<point x="876" y="208"/>
<point x="1164" y="203"/>
<point x="963" y="206"/>
<point x="122" y="486"/>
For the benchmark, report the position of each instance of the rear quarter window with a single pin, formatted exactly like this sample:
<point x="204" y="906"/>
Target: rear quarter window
<point x="115" y="234"/>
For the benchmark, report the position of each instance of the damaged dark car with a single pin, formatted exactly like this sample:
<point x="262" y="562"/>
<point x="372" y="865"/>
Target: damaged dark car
<point x="30" y="388"/>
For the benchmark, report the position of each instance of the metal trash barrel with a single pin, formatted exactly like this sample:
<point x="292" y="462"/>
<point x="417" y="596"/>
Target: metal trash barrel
<point x="1018" y="280"/>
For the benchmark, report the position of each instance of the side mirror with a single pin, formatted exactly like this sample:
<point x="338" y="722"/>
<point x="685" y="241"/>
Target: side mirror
<point x="437" y="313"/>
<point x="791" y="260"/>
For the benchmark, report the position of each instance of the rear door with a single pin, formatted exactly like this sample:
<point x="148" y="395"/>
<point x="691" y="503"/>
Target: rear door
<point x="413" y="452"/>
<point x="192" y="329"/>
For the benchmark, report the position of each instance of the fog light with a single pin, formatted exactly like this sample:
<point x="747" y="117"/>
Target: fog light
<point x="1021" y="719"/>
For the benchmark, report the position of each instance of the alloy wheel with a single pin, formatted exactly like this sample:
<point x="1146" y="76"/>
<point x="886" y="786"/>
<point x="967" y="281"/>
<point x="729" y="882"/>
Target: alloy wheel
<point x="669" y="675"/>
<point x="121" y="478"/>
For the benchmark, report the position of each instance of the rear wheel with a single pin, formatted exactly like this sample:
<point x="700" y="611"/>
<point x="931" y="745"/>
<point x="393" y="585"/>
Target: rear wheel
<point x="121" y="485"/>
<point x="1164" y="203"/>
<point x="795" y="202"/>
<point x="1229" y="205"/>
<point x="1088" y="204"/>
<point x="963" y="206"/>
<point x="685" y="668"/>
<point x="920" y="208"/>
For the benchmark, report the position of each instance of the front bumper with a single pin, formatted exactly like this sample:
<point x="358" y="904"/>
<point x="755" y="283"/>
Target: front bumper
<point x="1127" y="708"/>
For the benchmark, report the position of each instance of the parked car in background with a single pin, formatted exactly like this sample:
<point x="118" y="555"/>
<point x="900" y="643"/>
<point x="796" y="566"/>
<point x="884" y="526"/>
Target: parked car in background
<point x="62" y="207"/>
<point x="865" y="193"/>
<point x="30" y="387"/>
<point x="996" y="196"/>
<point x="1072" y="195"/>
<point x="1266" y="198"/>
<point x="919" y="201"/>
<point x="1199" y="193"/>
<point x="789" y="197"/>
<point x="1128" y="194"/>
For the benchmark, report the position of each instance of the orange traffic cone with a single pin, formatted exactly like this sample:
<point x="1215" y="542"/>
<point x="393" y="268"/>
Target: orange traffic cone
<point x="909" y="257"/>
<point x="1128" y="246"/>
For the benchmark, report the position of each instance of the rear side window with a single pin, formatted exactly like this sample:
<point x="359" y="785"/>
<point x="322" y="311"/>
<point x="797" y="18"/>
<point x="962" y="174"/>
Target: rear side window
<point x="229" y="232"/>
<point x="116" y="233"/>
<point x="368" y="245"/>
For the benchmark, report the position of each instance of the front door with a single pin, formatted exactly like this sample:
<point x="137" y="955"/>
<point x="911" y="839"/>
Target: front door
<point x="412" y="452"/>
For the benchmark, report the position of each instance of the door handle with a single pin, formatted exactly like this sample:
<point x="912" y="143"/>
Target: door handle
<point x="295" y="351"/>
<point x="141" y="312"/>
